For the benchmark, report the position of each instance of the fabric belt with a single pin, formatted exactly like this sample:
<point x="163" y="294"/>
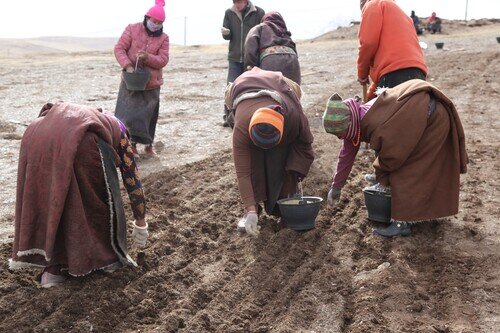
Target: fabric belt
<point x="278" y="49"/>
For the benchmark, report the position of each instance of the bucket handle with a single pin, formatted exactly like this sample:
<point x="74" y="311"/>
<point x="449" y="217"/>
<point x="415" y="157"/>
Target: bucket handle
<point x="136" y="63"/>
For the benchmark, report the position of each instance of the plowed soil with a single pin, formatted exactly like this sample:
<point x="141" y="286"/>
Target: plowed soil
<point x="197" y="274"/>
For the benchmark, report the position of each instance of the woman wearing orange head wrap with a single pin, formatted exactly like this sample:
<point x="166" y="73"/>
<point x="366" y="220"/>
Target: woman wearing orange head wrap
<point x="271" y="141"/>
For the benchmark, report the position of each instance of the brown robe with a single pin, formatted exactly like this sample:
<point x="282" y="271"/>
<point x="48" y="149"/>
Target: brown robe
<point x="419" y="156"/>
<point x="63" y="205"/>
<point x="265" y="175"/>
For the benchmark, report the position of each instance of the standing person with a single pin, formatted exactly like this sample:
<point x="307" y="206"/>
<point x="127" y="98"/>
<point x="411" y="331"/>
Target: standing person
<point x="416" y="23"/>
<point x="272" y="142"/>
<point x="238" y="20"/>
<point x="420" y="144"/>
<point x="145" y="44"/>
<point x="69" y="211"/>
<point x="389" y="52"/>
<point x="269" y="46"/>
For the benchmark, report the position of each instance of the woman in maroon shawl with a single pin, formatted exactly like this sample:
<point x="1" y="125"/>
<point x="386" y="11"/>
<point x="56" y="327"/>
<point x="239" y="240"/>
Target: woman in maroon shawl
<point x="269" y="46"/>
<point x="69" y="212"/>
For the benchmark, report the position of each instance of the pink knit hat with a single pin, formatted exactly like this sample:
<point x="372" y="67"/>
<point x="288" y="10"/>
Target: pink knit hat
<point x="157" y="11"/>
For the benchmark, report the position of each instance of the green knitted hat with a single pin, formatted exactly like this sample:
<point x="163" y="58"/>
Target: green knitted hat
<point x="337" y="116"/>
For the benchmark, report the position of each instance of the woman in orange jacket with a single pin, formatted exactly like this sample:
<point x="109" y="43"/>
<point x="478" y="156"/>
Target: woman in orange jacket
<point x="389" y="52"/>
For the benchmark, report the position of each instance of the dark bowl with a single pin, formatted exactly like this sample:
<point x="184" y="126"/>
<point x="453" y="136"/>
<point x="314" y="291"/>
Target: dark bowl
<point x="439" y="46"/>
<point x="378" y="205"/>
<point x="136" y="81"/>
<point x="300" y="216"/>
<point x="498" y="39"/>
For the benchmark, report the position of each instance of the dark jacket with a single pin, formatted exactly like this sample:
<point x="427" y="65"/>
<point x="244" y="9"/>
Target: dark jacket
<point x="240" y="24"/>
<point x="262" y="37"/>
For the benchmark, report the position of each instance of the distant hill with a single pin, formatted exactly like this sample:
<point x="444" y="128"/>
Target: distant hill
<point x="46" y="45"/>
<point x="449" y="26"/>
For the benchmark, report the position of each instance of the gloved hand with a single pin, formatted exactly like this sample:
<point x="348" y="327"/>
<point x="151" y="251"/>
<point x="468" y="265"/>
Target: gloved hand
<point x="300" y="177"/>
<point x="129" y="69"/>
<point x="370" y="178"/>
<point x="249" y="223"/>
<point x="225" y="31"/>
<point x="333" y="196"/>
<point x="140" y="235"/>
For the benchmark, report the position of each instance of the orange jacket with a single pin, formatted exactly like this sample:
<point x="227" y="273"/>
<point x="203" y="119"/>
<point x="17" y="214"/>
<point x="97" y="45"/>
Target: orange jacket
<point x="387" y="42"/>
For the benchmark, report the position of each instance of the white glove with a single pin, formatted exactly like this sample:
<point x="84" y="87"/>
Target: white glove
<point x="225" y="31"/>
<point x="140" y="235"/>
<point x="377" y="187"/>
<point x="370" y="178"/>
<point x="333" y="196"/>
<point x="248" y="223"/>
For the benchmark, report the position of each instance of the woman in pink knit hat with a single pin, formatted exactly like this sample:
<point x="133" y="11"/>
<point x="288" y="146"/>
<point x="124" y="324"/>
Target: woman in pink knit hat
<point x="143" y="45"/>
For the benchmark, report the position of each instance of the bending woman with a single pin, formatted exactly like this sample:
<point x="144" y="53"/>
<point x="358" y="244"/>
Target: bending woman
<point x="69" y="211"/>
<point x="272" y="142"/>
<point x="269" y="46"/>
<point x="419" y="140"/>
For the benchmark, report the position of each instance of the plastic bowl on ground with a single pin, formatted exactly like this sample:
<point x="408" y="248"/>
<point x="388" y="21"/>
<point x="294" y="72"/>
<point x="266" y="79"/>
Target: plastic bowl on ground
<point x="299" y="215"/>
<point x="439" y="46"/>
<point x="136" y="81"/>
<point x="498" y="39"/>
<point x="378" y="205"/>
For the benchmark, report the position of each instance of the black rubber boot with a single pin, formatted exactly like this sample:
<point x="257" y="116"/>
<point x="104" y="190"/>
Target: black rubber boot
<point x="395" y="229"/>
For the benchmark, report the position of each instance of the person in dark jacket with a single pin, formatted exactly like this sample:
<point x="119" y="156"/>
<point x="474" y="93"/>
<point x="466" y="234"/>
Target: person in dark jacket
<point x="272" y="141"/>
<point x="269" y="46"/>
<point x="416" y="23"/>
<point x="238" y="20"/>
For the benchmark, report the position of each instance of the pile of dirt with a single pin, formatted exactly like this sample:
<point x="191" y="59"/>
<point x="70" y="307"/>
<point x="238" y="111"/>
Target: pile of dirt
<point x="198" y="274"/>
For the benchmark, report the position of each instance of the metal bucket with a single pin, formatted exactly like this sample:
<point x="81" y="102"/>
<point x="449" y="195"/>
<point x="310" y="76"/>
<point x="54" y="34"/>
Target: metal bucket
<point x="439" y="46"/>
<point x="378" y="205"/>
<point x="136" y="81"/>
<point x="299" y="215"/>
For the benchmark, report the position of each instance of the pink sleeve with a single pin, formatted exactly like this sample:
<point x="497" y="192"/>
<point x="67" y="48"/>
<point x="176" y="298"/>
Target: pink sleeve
<point x="122" y="47"/>
<point x="369" y="36"/>
<point x="347" y="156"/>
<point x="160" y="60"/>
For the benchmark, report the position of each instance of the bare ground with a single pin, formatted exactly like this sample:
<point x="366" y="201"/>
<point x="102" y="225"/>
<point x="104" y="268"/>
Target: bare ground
<point x="198" y="275"/>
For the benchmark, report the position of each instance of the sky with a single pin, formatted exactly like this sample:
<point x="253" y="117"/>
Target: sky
<point x="199" y="21"/>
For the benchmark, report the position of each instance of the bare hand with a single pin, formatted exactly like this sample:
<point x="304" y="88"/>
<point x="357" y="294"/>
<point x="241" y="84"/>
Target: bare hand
<point x="142" y="55"/>
<point x="363" y="81"/>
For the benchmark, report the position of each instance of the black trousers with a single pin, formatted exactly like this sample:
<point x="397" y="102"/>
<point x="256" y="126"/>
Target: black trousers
<point x="392" y="79"/>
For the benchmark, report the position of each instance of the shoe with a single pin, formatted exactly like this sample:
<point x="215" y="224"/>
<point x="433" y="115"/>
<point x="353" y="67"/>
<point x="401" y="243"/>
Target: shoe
<point x="49" y="280"/>
<point x="113" y="267"/>
<point x="150" y="150"/>
<point x="395" y="229"/>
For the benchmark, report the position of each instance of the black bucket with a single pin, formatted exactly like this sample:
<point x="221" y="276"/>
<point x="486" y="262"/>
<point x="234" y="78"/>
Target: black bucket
<point x="136" y="81"/>
<point x="378" y="205"/>
<point x="498" y="39"/>
<point x="300" y="216"/>
<point x="439" y="46"/>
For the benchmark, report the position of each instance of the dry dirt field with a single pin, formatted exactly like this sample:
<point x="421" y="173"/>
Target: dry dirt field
<point x="198" y="274"/>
